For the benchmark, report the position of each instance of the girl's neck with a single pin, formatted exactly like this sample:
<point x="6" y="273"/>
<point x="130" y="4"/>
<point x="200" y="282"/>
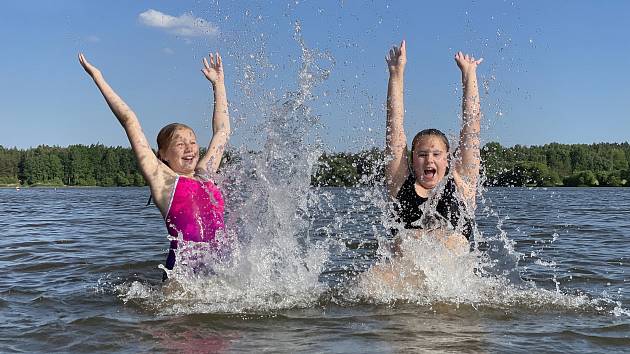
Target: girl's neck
<point x="421" y="191"/>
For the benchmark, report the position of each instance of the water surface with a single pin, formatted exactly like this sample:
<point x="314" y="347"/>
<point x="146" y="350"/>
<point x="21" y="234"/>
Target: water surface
<point x="80" y="274"/>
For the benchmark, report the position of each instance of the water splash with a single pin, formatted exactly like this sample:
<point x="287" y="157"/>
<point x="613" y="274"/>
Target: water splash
<point x="275" y="264"/>
<point x="430" y="273"/>
<point x="284" y="252"/>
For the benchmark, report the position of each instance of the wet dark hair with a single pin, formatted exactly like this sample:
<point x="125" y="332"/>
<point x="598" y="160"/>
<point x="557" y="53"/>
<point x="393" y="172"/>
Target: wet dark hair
<point x="430" y="132"/>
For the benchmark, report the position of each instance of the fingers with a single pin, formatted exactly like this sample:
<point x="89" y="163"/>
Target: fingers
<point x="466" y="58"/>
<point x="212" y="68"/>
<point x="89" y="68"/>
<point x="397" y="55"/>
<point x="84" y="63"/>
<point x="394" y="54"/>
<point x="214" y="63"/>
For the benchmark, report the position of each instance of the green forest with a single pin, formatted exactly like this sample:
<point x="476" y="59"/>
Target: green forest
<point x="75" y="165"/>
<point x="603" y="164"/>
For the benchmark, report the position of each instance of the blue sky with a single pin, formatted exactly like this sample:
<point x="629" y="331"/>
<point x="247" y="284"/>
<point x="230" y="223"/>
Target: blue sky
<point x="554" y="71"/>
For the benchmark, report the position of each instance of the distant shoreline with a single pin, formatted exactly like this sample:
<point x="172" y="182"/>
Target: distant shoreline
<point x="550" y="165"/>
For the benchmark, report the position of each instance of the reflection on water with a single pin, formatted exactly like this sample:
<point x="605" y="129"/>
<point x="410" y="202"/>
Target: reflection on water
<point x="190" y="335"/>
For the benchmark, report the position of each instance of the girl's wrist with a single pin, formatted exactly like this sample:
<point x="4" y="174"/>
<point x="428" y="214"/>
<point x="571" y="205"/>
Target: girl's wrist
<point x="97" y="75"/>
<point x="469" y="75"/>
<point x="217" y="82"/>
<point x="397" y="74"/>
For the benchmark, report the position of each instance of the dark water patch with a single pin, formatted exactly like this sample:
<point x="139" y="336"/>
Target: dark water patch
<point x="40" y="266"/>
<point x="35" y="226"/>
<point x="17" y="245"/>
<point x="21" y="293"/>
<point x="361" y="243"/>
<point x="577" y="278"/>
<point x="619" y="261"/>
<point x="10" y="258"/>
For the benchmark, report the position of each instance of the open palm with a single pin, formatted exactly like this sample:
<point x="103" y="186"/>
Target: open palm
<point x="466" y="62"/>
<point x="213" y="70"/>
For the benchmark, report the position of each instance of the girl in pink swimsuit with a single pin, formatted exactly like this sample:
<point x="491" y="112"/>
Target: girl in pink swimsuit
<point x="192" y="206"/>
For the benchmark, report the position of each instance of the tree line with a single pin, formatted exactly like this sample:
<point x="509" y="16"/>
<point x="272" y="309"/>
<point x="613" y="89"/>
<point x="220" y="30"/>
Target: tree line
<point x="574" y="165"/>
<point x="570" y="165"/>
<point x="75" y="165"/>
<point x="603" y="164"/>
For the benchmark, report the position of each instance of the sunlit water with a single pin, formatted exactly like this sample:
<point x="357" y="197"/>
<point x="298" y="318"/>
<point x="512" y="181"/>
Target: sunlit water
<point x="80" y="273"/>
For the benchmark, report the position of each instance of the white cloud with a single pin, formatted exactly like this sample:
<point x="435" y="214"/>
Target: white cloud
<point x="168" y="51"/>
<point x="185" y="25"/>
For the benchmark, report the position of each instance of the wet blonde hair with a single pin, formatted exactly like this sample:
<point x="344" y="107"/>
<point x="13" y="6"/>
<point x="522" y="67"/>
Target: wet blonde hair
<point x="166" y="134"/>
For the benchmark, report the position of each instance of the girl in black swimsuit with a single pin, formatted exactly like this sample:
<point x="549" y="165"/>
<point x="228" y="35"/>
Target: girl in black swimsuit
<point x="433" y="194"/>
<point x="426" y="177"/>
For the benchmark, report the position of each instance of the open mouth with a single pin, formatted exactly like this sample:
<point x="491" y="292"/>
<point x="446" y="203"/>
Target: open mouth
<point x="188" y="158"/>
<point x="429" y="173"/>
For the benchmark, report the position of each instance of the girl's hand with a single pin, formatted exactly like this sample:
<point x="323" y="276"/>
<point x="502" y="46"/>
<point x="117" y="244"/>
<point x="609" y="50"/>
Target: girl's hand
<point x="89" y="68"/>
<point x="467" y="63"/>
<point x="396" y="59"/>
<point x="213" y="70"/>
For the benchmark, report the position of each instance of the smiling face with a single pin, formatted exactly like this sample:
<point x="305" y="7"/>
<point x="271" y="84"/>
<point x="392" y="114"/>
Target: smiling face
<point x="430" y="160"/>
<point x="182" y="152"/>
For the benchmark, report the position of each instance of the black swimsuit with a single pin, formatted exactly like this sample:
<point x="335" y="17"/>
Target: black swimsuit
<point x="447" y="212"/>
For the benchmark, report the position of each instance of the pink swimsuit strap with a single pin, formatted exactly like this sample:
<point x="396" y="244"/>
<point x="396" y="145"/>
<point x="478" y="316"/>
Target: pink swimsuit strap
<point x="196" y="210"/>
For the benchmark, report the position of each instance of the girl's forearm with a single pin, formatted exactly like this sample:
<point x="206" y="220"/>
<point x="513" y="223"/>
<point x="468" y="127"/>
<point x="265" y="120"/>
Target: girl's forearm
<point x="220" y="117"/>
<point x="470" y="103"/>
<point x="395" y="139"/>
<point x="395" y="136"/>
<point x="469" y="144"/>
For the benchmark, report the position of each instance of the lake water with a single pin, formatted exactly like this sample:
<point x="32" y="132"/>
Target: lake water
<point x="80" y="274"/>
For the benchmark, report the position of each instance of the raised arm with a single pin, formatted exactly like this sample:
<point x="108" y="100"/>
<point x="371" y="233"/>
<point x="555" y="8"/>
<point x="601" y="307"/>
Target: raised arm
<point x="468" y="162"/>
<point x="220" y="117"/>
<point x="396" y="170"/>
<point x="159" y="176"/>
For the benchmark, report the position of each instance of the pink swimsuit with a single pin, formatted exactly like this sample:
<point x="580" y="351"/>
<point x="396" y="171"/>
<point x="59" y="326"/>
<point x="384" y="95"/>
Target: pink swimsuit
<point x="195" y="212"/>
